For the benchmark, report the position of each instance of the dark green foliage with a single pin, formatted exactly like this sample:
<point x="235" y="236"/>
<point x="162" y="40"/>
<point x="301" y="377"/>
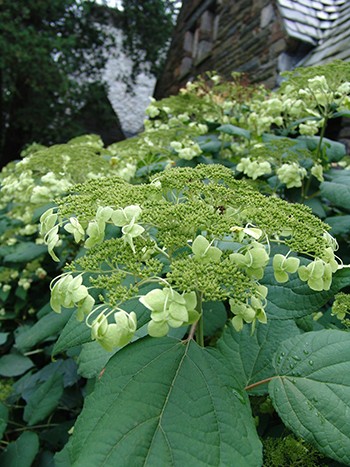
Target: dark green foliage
<point x="290" y="452"/>
<point x="147" y="28"/>
<point x="47" y="49"/>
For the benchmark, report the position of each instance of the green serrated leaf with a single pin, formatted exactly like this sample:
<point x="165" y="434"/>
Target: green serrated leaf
<point x="62" y="458"/>
<point x="211" y="146"/>
<point x="134" y="415"/>
<point x="25" y="252"/>
<point x="340" y="224"/>
<point x="14" y="365"/>
<point x="22" y="452"/>
<point x="92" y="359"/>
<point x="341" y="113"/>
<point x="74" y="333"/>
<point x="44" y="400"/>
<point x="317" y="207"/>
<point x="234" y="130"/>
<point x="338" y="190"/>
<point x="294" y="298"/>
<point x="249" y="356"/>
<point x="312" y="391"/>
<point x="46" y="327"/>
<point x="215" y="317"/>
<point x="334" y="149"/>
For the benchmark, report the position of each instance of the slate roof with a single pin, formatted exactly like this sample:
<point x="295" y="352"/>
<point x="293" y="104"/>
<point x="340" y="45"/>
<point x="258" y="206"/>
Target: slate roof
<point x="324" y="24"/>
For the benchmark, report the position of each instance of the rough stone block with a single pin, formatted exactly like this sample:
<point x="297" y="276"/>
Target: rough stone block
<point x="188" y="42"/>
<point x="185" y="66"/>
<point x="267" y="15"/>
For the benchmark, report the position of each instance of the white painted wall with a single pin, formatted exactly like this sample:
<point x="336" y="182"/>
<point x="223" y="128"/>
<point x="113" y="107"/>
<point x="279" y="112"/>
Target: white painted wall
<point x="130" y="107"/>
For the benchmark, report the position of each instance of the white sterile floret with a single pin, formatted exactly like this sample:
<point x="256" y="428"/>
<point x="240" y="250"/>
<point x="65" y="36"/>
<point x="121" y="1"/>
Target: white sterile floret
<point x="254" y="168"/>
<point x="291" y="174"/>
<point x="115" y="334"/>
<point x="152" y="111"/>
<point x="317" y="172"/>
<point x="189" y="152"/>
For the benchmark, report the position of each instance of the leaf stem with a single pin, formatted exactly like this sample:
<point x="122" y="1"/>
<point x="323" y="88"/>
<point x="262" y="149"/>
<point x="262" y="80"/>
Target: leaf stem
<point x="200" y="322"/>
<point x="263" y="381"/>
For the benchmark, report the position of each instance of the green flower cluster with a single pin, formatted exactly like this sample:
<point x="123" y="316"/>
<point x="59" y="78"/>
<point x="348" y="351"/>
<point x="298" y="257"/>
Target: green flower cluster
<point x="195" y="234"/>
<point x="341" y="308"/>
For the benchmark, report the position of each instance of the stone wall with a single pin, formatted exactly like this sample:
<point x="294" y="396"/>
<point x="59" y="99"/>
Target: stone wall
<point x="227" y="36"/>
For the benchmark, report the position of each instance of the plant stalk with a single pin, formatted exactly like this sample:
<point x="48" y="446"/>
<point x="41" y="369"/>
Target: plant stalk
<point x="200" y="323"/>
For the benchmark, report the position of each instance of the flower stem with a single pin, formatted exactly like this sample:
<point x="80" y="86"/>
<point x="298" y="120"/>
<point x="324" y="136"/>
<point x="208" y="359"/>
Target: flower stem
<point x="200" y="323"/>
<point x="323" y="130"/>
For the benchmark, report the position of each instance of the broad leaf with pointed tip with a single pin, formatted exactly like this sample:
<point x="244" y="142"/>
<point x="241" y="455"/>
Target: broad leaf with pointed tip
<point x="161" y="399"/>
<point x="248" y="357"/>
<point x="295" y="299"/>
<point x="312" y="390"/>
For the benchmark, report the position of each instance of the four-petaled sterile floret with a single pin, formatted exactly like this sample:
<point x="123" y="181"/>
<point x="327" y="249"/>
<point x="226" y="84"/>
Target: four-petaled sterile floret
<point x="169" y="309"/>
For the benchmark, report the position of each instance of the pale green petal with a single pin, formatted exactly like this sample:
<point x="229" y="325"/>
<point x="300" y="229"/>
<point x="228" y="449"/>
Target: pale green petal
<point x="214" y="254"/>
<point x="154" y="300"/>
<point x="291" y="265"/>
<point x="190" y="300"/>
<point x="199" y="245"/>
<point x="303" y="273"/>
<point x="237" y="323"/>
<point x="238" y="259"/>
<point x="132" y="212"/>
<point x="157" y="329"/>
<point x="178" y="312"/>
<point x="118" y="218"/>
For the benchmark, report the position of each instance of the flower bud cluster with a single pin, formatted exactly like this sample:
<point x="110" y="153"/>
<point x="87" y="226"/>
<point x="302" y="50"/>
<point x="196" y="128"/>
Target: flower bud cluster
<point x="205" y="235"/>
<point x="341" y="308"/>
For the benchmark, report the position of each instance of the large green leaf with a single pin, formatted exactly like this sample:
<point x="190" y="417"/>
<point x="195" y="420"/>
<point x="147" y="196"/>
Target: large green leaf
<point x="92" y="359"/>
<point x="334" y="149"/>
<point x="338" y="190"/>
<point x="14" y="365"/>
<point x="212" y="147"/>
<point x="312" y="390"/>
<point x="249" y="356"/>
<point x="24" y="252"/>
<point x="3" y="337"/>
<point x="215" y="317"/>
<point x="295" y="299"/>
<point x="74" y="333"/>
<point x="340" y="224"/>
<point x="21" y="453"/>
<point x="160" y="403"/>
<point x="229" y="129"/>
<point x="44" y="400"/>
<point x="47" y="326"/>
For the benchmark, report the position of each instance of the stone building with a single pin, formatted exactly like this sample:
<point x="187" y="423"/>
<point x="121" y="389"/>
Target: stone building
<point x="259" y="37"/>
